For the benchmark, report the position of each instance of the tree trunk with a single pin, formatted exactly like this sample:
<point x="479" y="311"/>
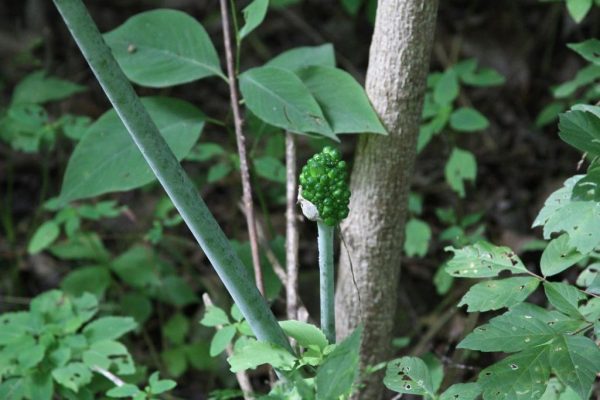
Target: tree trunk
<point x="383" y="166"/>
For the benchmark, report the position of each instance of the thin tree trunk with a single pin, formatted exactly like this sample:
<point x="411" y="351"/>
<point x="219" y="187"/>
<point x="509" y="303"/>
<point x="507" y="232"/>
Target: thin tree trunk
<point x="383" y="166"/>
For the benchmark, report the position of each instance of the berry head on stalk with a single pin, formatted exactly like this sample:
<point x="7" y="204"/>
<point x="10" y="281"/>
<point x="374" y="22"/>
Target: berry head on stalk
<point x="323" y="185"/>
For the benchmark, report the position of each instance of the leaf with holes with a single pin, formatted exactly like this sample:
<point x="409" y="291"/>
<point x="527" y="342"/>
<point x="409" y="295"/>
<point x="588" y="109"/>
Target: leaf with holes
<point x="564" y="297"/>
<point x="558" y="256"/>
<point x="73" y="376"/>
<point x="497" y="294"/>
<point x="107" y="160"/>
<point x="408" y="375"/>
<point x="524" y="326"/>
<point x="575" y="360"/>
<point x="522" y="376"/>
<point x="462" y="391"/>
<point x="161" y="48"/>
<point x="483" y="260"/>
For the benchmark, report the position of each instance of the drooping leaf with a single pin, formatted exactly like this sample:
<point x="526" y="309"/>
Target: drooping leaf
<point x="483" y="260"/>
<point x="417" y="237"/>
<point x="497" y="294"/>
<point x="43" y="237"/>
<point x="461" y="167"/>
<point x="254" y="14"/>
<point x="107" y="159"/>
<point x="558" y="256"/>
<point x="524" y="326"/>
<point x="162" y="48"/>
<point x="302" y="57"/>
<point x="343" y="100"/>
<point x="280" y="98"/>
<point x="564" y="297"/>
<point x="304" y="333"/>
<point x="467" y="119"/>
<point x="409" y="375"/>
<point x="575" y="360"/>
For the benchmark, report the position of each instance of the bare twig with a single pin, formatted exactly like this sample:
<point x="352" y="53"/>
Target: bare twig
<point x="241" y="145"/>
<point x="241" y="376"/>
<point x="291" y="234"/>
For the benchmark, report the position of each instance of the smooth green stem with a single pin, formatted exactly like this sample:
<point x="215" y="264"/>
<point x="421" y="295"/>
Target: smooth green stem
<point x="170" y="174"/>
<point x="327" y="280"/>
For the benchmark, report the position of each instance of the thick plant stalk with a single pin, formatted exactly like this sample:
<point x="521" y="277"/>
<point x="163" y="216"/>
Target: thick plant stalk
<point x="241" y="145"/>
<point x="170" y="174"/>
<point x="327" y="279"/>
<point x="291" y="230"/>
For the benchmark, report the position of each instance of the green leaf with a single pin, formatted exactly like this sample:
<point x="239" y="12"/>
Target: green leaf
<point x="137" y="267"/>
<point x="524" y="326"/>
<point x="43" y="237"/>
<point x="549" y="114"/>
<point x="461" y="167"/>
<point x="106" y="353"/>
<point x="302" y="57"/>
<point x="580" y="219"/>
<point x="254" y="15"/>
<point x="221" y="339"/>
<point x="108" y="328"/>
<point x="305" y="334"/>
<point x="497" y="294"/>
<point x="588" y="187"/>
<point x="436" y="370"/>
<point x="468" y="119"/>
<point x="214" y="316"/>
<point x="162" y="48"/>
<point x="136" y="305"/>
<point x="270" y="168"/>
<point x="462" y="391"/>
<point x="176" y="328"/>
<point x="575" y="360"/>
<point x="93" y="279"/>
<point x="584" y="76"/>
<point x="176" y="291"/>
<point x="158" y="386"/>
<point x="280" y="98"/>
<point x="41" y="386"/>
<point x="417" y="237"/>
<point x="409" y="375"/>
<point x="343" y="100"/>
<point x="205" y="151"/>
<point x="483" y="260"/>
<point x="73" y="376"/>
<point x="37" y="88"/>
<point x="218" y="171"/>
<point x="340" y="369"/>
<point x="558" y="256"/>
<point x="107" y="159"/>
<point x="589" y="49"/>
<point x="255" y="353"/>
<point x="446" y="88"/>
<point x="564" y="297"/>
<point x="484" y="77"/>
<point x="127" y="390"/>
<point x="176" y="360"/>
<point x="522" y="376"/>
<point x="581" y="130"/>
<point x="83" y="246"/>
<point x="31" y="356"/>
<point x="352" y="6"/>
<point x="579" y="9"/>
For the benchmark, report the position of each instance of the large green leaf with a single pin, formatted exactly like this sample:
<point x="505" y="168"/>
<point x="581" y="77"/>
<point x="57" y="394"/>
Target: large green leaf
<point x="107" y="159"/>
<point x="162" y="48"/>
<point x="409" y="375"/>
<point x="483" y="260"/>
<point x="580" y="129"/>
<point x="496" y="294"/>
<point x="340" y="369"/>
<point x="558" y="256"/>
<point x="302" y="57"/>
<point x="575" y="360"/>
<point x="254" y="14"/>
<point x="280" y="98"/>
<point x="342" y="99"/>
<point x="522" y="376"/>
<point x="524" y="326"/>
<point x="304" y="333"/>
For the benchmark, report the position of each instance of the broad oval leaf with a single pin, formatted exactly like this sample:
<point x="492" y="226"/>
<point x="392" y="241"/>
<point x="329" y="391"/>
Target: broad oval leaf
<point x="483" y="260"/>
<point x="302" y="57"/>
<point x="575" y="360"/>
<point x="558" y="256"/>
<point x="254" y="353"/>
<point x="409" y="375"/>
<point x="497" y="294"/>
<point x="162" y="48"/>
<point x="468" y="119"/>
<point x="305" y="334"/>
<point x="107" y="160"/>
<point x="280" y="98"/>
<point x="342" y="99"/>
<point x="580" y="129"/>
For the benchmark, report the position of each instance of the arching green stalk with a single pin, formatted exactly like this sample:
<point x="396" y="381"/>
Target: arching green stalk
<point x="170" y="174"/>
<point x="327" y="279"/>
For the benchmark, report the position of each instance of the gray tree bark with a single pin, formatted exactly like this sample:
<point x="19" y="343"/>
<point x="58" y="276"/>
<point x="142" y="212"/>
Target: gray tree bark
<point x="383" y="166"/>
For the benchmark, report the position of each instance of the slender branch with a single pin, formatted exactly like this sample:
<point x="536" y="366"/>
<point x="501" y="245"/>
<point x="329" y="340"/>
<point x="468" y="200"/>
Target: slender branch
<point x="241" y="145"/>
<point x="327" y="286"/>
<point x="291" y="227"/>
<point x="170" y="174"/>
<point x="241" y="376"/>
<point x="108" y="375"/>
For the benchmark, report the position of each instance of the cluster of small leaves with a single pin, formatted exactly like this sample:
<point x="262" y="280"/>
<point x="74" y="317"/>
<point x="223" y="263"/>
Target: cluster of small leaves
<point x="155" y="387"/>
<point x="324" y="183"/>
<point x="56" y="346"/>
<point x="26" y="125"/>
<point x="336" y="366"/>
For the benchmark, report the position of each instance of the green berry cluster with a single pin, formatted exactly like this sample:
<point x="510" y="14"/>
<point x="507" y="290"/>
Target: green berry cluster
<point x="323" y="181"/>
